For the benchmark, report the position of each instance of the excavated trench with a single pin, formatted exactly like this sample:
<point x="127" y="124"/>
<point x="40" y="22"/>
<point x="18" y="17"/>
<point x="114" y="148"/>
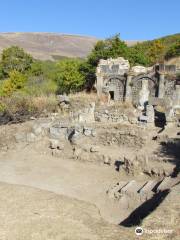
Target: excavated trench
<point x="97" y="168"/>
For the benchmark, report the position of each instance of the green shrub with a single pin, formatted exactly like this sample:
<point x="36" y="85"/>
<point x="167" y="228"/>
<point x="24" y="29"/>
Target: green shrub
<point x="173" y="51"/>
<point x="15" y="59"/>
<point x="16" y="81"/>
<point x="69" y="78"/>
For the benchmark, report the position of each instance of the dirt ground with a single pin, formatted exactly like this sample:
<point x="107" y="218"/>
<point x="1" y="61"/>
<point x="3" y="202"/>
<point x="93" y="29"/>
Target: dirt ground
<point x="48" y="197"/>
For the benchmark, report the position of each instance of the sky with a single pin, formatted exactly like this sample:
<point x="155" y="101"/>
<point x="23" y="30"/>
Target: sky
<point x="133" y="19"/>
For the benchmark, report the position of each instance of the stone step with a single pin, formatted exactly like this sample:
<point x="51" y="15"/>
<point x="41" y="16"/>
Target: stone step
<point x="148" y="186"/>
<point x="167" y="183"/>
<point x="130" y="188"/>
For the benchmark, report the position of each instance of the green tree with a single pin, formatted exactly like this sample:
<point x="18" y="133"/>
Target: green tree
<point x="111" y="47"/>
<point x="137" y="55"/>
<point x="36" y="69"/>
<point x="16" y="81"/>
<point x="1" y="72"/>
<point x="173" y="50"/>
<point x="69" y="78"/>
<point x="14" y="58"/>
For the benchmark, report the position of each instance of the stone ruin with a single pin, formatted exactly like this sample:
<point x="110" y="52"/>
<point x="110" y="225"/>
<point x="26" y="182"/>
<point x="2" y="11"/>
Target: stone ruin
<point x="141" y="86"/>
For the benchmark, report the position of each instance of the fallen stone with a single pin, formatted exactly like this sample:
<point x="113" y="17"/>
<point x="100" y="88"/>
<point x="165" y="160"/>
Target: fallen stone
<point x="167" y="183"/>
<point x="106" y="160"/>
<point x="148" y="187"/>
<point x="87" y="132"/>
<point x="58" y="132"/>
<point x="93" y="132"/>
<point x="130" y="188"/>
<point x="94" y="149"/>
<point x="74" y="137"/>
<point x="114" y="192"/>
<point x="63" y="99"/>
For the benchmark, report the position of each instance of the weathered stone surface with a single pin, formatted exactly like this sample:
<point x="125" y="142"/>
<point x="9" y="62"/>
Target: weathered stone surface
<point x="94" y="149"/>
<point x="87" y="115"/>
<point x="31" y="137"/>
<point x="63" y="99"/>
<point x="87" y="131"/>
<point x="167" y="183"/>
<point x="58" y="132"/>
<point x="144" y="94"/>
<point x="130" y="188"/>
<point x="20" y="137"/>
<point x="75" y="136"/>
<point x="107" y="160"/>
<point x="114" y="192"/>
<point x="150" y="114"/>
<point x="56" y="144"/>
<point x="136" y="70"/>
<point x="148" y="187"/>
<point x="37" y="129"/>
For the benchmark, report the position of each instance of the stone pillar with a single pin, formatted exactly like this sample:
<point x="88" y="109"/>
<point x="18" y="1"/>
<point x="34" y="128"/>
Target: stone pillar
<point x="150" y="115"/>
<point x="144" y="95"/>
<point x="170" y="117"/>
<point x="99" y="84"/>
<point x="176" y="97"/>
<point x="161" y="86"/>
<point x="128" y="94"/>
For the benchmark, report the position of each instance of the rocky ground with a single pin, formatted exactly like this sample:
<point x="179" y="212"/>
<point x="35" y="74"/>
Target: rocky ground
<point x="75" y="177"/>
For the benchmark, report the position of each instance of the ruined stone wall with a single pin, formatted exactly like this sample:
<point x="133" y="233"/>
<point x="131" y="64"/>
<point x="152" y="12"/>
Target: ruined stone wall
<point x="169" y="87"/>
<point x="114" y="77"/>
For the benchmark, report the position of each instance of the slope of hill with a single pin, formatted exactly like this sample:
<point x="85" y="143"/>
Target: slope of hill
<point x="47" y="46"/>
<point x="51" y="46"/>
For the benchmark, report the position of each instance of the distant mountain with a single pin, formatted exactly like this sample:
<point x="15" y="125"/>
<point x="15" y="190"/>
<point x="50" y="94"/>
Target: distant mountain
<point x="49" y="46"/>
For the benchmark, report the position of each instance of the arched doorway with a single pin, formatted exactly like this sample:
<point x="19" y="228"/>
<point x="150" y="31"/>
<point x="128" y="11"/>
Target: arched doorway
<point x="137" y="86"/>
<point x="116" y="88"/>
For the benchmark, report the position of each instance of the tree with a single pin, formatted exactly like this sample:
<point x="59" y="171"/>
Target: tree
<point x="14" y="58"/>
<point x="16" y="81"/>
<point x="173" y="50"/>
<point x="111" y="47"/>
<point x="36" y="69"/>
<point x="69" y="78"/>
<point x="137" y="55"/>
<point x="156" y="52"/>
<point x="1" y="72"/>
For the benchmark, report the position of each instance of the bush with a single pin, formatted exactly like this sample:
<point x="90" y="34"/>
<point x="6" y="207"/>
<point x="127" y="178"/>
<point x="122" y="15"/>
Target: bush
<point x="69" y="78"/>
<point x="15" y="59"/>
<point x="16" y="81"/>
<point x="173" y="51"/>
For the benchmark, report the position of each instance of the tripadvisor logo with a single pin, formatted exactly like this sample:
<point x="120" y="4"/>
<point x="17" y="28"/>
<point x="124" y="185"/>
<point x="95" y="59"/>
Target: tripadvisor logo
<point x="139" y="231"/>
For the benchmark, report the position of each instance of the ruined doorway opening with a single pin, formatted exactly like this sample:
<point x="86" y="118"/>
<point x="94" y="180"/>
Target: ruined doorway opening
<point x="111" y="95"/>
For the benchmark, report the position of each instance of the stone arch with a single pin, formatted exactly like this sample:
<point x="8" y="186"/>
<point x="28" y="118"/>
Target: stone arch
<point x="137" y="86"/>
<point x="115" y="86"/>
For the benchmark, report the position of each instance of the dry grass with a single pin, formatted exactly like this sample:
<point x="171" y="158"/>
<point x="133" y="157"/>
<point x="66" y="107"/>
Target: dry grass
<point x="19" y="107"/>
<point x="82" y="99"/>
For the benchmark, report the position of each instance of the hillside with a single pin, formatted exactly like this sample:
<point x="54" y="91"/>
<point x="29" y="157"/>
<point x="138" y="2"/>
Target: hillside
<point x="47" y="46"/>
<point x="51" y="46"/>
